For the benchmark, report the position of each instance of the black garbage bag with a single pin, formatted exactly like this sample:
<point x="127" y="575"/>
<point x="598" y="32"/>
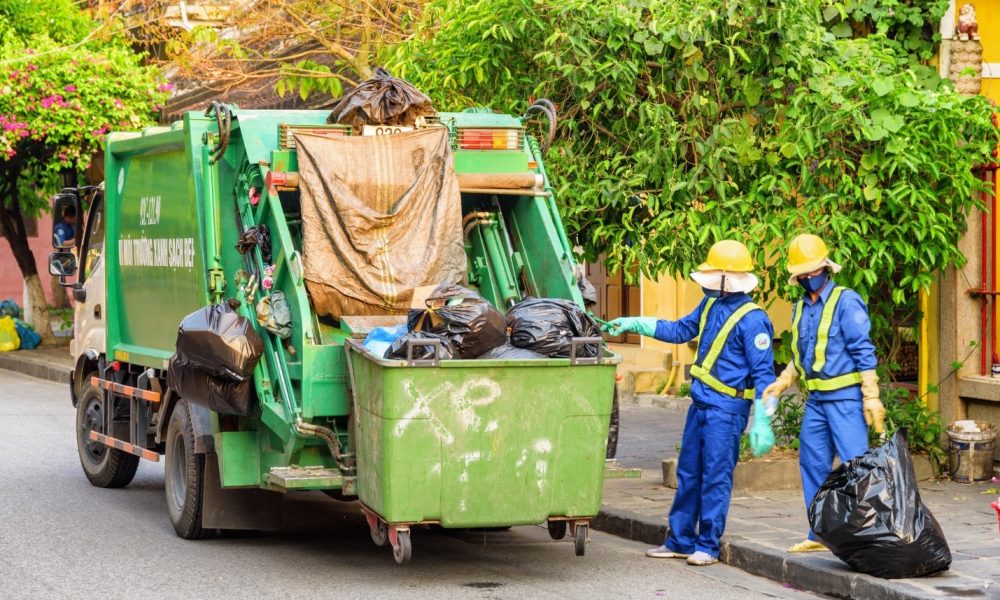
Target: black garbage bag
<point x="224" y="396"/>
<point x="256" y="236"/>
<point x="420" y="351"/>
<point x="463" y="317"/>
<point x="218" y="341"/>
<point x="510" y="352"/>
<point x="217" y="351"/>
<point x="869" y="513"/>
<point x="383" y="100"/>
<point x="548" y="326"/>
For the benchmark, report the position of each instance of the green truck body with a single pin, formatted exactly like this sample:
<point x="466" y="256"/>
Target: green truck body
<point x="462" y="443"/>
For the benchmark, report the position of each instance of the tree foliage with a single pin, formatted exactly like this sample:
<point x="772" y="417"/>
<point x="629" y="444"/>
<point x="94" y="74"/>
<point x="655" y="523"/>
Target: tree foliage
<point x="306" y="46"/>
<point x="64" y="83"/>
<point x="687" y="121"/>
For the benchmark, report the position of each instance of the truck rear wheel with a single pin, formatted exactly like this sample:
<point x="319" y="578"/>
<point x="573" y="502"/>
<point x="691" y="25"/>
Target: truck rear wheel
<point x="184" y="476"/>
<point x="105" y="467"/>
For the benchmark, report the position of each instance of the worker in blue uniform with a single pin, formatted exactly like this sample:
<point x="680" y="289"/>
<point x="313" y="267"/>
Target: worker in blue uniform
<point x="833" y="360"/>
<point x="734" y="364"/>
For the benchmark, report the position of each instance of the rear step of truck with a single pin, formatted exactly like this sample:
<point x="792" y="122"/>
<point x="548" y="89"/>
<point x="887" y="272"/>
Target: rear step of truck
<point x="310" y="478"/>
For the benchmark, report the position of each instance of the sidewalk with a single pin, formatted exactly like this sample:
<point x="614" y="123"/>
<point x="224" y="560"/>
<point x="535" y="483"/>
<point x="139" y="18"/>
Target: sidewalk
<point x="50" y="362"/>
<point x="761" y="526"/>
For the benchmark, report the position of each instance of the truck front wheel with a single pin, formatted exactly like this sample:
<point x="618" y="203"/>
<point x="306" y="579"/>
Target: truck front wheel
<point x="105" y="467"/>
<point x="184" y="476"/>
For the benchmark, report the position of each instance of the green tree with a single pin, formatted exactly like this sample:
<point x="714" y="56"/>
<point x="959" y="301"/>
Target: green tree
<point x="64" y="83"/>
<point x="687" y="121"/>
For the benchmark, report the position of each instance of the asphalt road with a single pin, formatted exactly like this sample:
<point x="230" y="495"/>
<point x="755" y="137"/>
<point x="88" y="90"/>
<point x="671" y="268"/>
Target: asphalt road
<point x="62" y="538"/>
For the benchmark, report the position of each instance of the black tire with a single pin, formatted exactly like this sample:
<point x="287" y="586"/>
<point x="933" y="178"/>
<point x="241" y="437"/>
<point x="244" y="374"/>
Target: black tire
<point x="105" y="467"/>
<point x="184" y="476"/>
<point x="613" y="428"/>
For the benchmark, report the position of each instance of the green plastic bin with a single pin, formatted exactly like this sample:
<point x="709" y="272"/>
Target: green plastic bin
<point x="480" y="443"/>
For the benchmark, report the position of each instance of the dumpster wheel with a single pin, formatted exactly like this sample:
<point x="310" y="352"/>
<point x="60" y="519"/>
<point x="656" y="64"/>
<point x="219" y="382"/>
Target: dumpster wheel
<point x="401" y="549"/>
<point x="557" y="529"/>
<point x="579" y="531"/>
<point x="380" y="533"/>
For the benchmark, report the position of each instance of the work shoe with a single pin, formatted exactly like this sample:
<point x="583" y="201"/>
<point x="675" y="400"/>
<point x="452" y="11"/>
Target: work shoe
<point x="664" y="552"/>
<point x="808" y="546"/>
<point x="701" y="559"/>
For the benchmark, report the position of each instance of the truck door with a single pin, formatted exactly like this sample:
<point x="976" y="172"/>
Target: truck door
<point x="89" y="293"/>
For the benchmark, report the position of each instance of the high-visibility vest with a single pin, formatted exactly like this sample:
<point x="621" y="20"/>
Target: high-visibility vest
<point x="822" y="340"/>
<point x="702" y="371"/>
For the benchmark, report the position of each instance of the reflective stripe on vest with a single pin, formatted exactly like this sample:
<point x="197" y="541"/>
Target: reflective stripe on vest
<point x="703" y="371"/>
<point x="822" y="341"/>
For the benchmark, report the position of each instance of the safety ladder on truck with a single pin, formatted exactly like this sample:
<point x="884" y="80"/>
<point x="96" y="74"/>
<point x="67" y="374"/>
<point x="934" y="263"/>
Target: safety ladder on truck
<point x="141" y="396"/>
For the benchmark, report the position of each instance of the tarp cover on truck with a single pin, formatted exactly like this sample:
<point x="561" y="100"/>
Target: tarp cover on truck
<point x="381" y="215"/>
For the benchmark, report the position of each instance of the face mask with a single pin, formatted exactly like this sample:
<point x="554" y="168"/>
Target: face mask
<point x="712" y="293"/>
<point x="815" y="283"/>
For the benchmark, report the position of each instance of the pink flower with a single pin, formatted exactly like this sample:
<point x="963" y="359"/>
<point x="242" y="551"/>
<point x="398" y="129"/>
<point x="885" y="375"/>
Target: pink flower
<point x="70" y="88"/>
<point x="14" y="74"/>
<point x="31" y="67"/>
<point x="165" y="87"/>
<point x="118" y="103"/>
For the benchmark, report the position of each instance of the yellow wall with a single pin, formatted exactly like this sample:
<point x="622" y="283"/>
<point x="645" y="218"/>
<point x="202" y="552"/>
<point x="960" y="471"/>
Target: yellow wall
<point x="988" y="16"/>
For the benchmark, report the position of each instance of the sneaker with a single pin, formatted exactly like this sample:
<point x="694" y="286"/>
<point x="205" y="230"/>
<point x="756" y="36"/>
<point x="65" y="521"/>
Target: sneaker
<point x="664" y="552"/>
<point x="702" y="559"/>
<point x="808" y="546"/>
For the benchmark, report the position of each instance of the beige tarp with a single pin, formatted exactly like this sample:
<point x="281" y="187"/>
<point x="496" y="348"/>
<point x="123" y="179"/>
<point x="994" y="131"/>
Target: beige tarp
<point x="381" y="215"/>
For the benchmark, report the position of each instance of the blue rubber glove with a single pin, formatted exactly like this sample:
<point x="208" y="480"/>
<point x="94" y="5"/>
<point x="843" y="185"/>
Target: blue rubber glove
<point x="642" y="325"/>
<point x="761" y="434"/>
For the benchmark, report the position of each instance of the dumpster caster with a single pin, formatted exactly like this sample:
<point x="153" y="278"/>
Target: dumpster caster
<point x="580" y="538"/>
<point x="380" y="534"/>
<point x="401" y="548"/>
<point x="557" y="529"/>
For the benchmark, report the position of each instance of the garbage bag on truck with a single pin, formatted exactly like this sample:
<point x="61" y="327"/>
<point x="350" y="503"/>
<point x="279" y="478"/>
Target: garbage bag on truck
<point x="9" y="340"/>
<point x="420" y="351"/>
<point x="548" y="326"/>
<point x="274" y="315"/>
<point x="869" y="513"/>
<point x="224" y="396"/>
<point x="381" y="215"/>
<point x="463" y="317"/>
<point x="510" y="352"/>
<point x="382" y="100"/>
<point x="220" y="342"/>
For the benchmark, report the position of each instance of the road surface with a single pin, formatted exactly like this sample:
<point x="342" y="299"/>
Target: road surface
<point x="62" y="538"/>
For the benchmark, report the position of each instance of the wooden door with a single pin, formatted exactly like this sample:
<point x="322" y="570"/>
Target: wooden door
<point x="614" y="298"/>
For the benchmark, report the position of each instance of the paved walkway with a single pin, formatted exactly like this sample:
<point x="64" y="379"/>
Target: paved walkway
<point x="50" y="362"/>
<point x="762" y="525"/>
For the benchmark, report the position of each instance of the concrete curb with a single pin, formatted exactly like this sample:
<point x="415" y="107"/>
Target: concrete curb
<point x="32" y="368"/>
<point x="821" y="572"/>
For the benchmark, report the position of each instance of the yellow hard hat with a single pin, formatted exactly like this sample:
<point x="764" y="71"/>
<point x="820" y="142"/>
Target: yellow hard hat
<point x="806" y="253"/>
<point x="728" y="255"/>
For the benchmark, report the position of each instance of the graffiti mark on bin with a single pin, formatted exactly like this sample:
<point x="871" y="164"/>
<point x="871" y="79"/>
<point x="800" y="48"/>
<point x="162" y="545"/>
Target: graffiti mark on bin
<point x="450" y="408"/>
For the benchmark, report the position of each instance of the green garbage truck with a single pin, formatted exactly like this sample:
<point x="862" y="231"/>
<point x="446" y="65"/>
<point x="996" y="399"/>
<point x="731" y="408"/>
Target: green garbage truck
<point x="242" y="208"/>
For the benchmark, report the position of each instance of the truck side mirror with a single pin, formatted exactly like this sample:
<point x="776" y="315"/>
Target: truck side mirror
<point x="62" y="264"/>
<point x="64" y="220"/>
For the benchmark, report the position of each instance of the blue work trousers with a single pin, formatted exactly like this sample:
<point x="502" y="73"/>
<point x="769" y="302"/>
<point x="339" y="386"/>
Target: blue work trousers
<point x="709" y="450"/>
<point x="828" y="426"/>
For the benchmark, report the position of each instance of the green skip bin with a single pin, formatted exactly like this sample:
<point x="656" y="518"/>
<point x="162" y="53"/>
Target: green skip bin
<point x="481" y="443"/>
